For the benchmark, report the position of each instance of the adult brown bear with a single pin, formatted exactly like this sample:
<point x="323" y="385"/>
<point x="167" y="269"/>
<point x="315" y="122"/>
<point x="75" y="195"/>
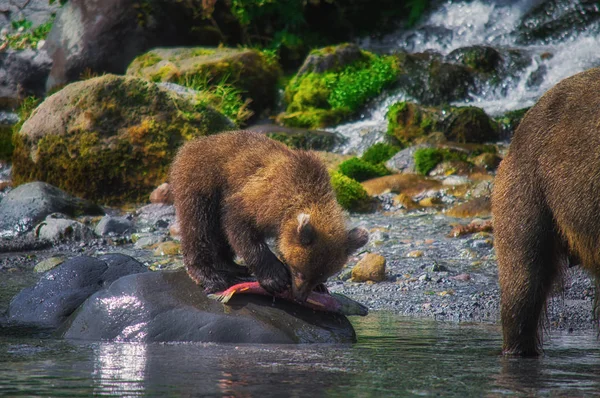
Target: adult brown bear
<point x="546" y="205"/>
<point x="233" y="190"/>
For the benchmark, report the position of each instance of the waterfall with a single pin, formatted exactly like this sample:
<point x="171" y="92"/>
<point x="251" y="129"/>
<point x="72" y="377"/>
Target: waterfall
<point x="456" y="24"/>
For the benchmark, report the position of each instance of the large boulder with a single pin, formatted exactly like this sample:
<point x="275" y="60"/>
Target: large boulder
<point x="106" y="35"/>
<point x="408" y="121"/>
<point x="109" y="138"/>
<point x="169" y="306"/>
<point x="27" y="205"/>
<point x="431" y="81"/>
<point x="63" y="289"/>
<point x="250" y="71"/>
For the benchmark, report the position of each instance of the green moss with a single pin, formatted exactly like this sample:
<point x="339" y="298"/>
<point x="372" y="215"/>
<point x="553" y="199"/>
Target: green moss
<point x="119" y="141"/>
<point x="470" y="124"/>
<point x="360" y="170"/>
<point x="349" y="193"/>
<point x="427" y="158"/>
<point x="29" y="37"/>
<point x="148" y="59"/>
<point x="202" y="51"/>
<point x="244" y="78"/>
<point x="511" y="120"/>
<point x="380" y="152"/>
<point x="168" y="72"/>
<point x="341" y="92"/>
<point x="408" y="121"/>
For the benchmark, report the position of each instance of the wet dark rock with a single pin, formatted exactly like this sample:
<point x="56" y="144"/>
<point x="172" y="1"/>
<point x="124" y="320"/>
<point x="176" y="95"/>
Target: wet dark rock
<point x="300" y="138"/>
<point x="331" y="59"/>
<point x="23" y="73"/>
<point x="470" y="124"/>
<point x="28" y="204"/>
<point x="61" y="290"/>
<point x="430" y="80"/>
<point x="169" y="306"/>
<point x="552" y="19"/>
<point x="480" y="58"/>
<point x="114" y="225"/>
<point x="510" y="121"/>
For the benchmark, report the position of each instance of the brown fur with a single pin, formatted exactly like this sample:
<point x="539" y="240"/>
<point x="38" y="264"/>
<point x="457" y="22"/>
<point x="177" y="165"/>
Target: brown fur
<point x="235" y="189"/>
<point x="546" y="204"/>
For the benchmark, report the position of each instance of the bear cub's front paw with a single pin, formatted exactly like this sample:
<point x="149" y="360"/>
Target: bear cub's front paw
<point x="274" y="277"/>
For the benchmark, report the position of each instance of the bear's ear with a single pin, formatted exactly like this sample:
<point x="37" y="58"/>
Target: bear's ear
<point x="357" y="238"/>
<point x="306" y="232"/>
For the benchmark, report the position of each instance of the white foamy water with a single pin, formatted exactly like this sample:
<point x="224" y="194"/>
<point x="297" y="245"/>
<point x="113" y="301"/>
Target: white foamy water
<point x="457" y="24"/>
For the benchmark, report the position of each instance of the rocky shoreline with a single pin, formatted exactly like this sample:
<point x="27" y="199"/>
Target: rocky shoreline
<point x="428" y="274"/>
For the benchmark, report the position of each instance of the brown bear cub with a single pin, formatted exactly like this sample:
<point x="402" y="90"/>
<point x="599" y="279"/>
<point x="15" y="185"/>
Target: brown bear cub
<point x="546" y="205"/>
<point x="233" y="190"/>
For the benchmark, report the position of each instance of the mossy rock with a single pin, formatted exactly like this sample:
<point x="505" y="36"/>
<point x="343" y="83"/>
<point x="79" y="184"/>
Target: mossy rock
<point x="479" y="58"/>
<point x="510" y="121"/>
<point x="433" y="82"/>
<point x="349" y="193"/>
<point x="110" y="139"/>
<point x="317" y="99"/>
<point x="408" y="121"/>
<point x="332" y="58"/>
<point x="470" y="124"/>
<point x="427" y="158"/>
<point x="250" y="71"/>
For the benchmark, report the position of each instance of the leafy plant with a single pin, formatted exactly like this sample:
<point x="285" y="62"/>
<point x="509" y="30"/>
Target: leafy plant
<point x="27" y="37"/>
<point x="349" y="193"/>
<point x="360" y="170"/>
<point x="380" y="152"/>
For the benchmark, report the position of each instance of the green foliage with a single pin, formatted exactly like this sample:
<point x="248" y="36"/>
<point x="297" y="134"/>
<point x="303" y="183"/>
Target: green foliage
<point x="380" y="152"/>
<point x="360" y="170"/>
<point x="61" y="2"/>
<point x="6" y="146"/>
<point x="341" y="92"/>
<point x="149" y="59"/>
<point x="349" y="193"/>
<point x="28" y="37"/>
<point x="416" y="8"/>
<point x="222" y="96"/>
<point x="427" y="158"/>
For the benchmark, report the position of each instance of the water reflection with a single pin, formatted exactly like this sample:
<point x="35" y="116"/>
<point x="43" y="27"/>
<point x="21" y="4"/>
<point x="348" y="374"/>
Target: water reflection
<point x="394" y="356"/>
<point x="120" y="368"/>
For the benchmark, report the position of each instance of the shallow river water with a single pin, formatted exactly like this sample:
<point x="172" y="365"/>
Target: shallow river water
<point x="394" y="356"/>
